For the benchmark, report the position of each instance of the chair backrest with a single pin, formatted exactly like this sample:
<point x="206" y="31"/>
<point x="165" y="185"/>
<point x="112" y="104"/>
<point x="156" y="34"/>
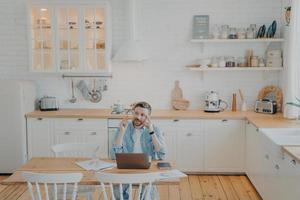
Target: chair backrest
<point x="143" y="180"/>
<point x="36" y="181"/>
<point x="75" y="150"/>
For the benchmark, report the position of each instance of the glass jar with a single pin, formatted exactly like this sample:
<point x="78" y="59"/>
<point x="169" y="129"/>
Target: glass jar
<point x="241" y="62"/>
<point x="224" y="31"/>
<point x="261" y="62"/>
<point x="249" y="33"/>
<point x="254" y="29"/>
<point x="222" y="62"/>
<point x="241" y="34"/>
<point x="254" y="61"/>
<point x="230" y="62"/>
<point x="215" y="32"/>
<point x="232" y="33"/>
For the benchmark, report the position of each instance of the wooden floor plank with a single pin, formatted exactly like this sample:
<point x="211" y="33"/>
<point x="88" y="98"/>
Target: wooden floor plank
<point x="196" y="190"/>
<point x="208" y="187"/>
<point x="185" y="189"/>
<point x="13" y="192"/>
<point x="250" y="189"/>
<point x="228" y="188"/>
<point x="163" y="192"/>
<point x="239" y="188"/>
<point x="174" y="192"/>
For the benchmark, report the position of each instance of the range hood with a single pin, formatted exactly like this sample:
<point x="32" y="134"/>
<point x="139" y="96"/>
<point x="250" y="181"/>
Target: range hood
<point x="131" y="50"/>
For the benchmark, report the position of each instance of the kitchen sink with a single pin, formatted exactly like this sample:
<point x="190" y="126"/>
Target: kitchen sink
<point x="283" y="136"/>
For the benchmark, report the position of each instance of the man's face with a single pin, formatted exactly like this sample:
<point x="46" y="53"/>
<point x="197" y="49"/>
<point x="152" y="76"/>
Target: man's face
<point x="139" y="116"/>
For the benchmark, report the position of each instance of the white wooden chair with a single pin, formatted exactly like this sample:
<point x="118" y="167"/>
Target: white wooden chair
<point x="78" y="150"/>
<point x="75" y="150"/>
<point x="109" y="181"/>
<point x="35" y="182"/>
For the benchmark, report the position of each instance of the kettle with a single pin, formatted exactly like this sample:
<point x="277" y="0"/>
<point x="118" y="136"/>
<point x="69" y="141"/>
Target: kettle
<point x="213" y="103"/>
<point x="118" y="108"/>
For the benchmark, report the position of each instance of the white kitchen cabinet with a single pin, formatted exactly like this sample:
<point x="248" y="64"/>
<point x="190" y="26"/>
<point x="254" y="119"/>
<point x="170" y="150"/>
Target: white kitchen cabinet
<point x="185" y="143"/>
<point x="45" y="132"/>
<point x="79" y="130"/>
<point x="254" y="156"/>
<point x="290" y="178"/>
<point x="70" y="38"/>
<point x="39" y="137"/>
<point x="224" y="145"/>
<point x="190" y="146"/>
<point x="168" y="129"/>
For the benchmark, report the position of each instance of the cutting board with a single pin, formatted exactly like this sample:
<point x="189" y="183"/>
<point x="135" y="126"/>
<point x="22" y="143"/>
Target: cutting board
<point x="176" y="92"/>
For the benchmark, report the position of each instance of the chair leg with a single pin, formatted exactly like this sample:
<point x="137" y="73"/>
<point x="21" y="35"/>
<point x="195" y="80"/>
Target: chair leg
<point x="90" y="196"/>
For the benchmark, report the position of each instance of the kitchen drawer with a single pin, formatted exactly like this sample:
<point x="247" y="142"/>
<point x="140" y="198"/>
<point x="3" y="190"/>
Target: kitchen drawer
<point x="181" y="124"/>
<point x="80" y="124"/>
<point x="80" y="133"/>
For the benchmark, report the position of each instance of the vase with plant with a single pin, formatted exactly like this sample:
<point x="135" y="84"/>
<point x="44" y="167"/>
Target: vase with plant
<point x="288" y="15"/>
<point x="296" y="104"/>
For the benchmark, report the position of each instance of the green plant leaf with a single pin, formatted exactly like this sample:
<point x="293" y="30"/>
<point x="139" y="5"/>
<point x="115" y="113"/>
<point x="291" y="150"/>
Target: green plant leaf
<point x="293" y="104"/>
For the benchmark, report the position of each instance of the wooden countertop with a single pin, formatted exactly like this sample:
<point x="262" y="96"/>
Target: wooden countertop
<point x="258" y="119"/>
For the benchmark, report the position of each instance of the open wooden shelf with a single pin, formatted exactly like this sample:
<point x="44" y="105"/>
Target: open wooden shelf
<point x="236" y="69"/>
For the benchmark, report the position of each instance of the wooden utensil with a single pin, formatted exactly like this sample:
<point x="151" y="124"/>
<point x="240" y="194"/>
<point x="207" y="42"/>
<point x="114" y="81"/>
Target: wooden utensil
<point x="241" y="94"/>
<point x="233" y="105"/>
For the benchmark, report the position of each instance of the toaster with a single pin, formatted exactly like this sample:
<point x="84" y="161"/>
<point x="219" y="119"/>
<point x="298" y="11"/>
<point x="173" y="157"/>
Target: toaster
<point x="265" y="106"/>
<point x="47" y="103"/>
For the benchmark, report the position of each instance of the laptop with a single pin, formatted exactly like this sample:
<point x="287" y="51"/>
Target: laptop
<point x="133" y="161"/>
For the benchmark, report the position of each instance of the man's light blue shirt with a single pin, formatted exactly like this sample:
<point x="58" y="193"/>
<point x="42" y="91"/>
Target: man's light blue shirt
<point x="146" y="142"/>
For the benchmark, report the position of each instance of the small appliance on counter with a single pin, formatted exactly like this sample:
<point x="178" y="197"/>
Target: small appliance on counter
<point x="213" y="102"/>
<point x="265" y="106"/>
<point x="47" y="103"/>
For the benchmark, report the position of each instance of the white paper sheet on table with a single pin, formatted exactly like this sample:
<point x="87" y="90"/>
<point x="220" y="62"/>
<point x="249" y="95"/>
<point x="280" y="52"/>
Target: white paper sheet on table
<point x="95" y="164"/>
<point x="171" y="174"/>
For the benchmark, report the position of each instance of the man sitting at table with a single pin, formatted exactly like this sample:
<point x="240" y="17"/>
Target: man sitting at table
<point x="139" y="136"/>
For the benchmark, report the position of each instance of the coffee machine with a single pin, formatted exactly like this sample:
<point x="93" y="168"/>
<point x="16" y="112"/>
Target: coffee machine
<point x="213" y="102"/>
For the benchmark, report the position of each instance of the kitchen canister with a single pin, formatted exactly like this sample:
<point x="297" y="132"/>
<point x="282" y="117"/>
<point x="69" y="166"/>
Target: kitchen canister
<point x="254" y="61"/>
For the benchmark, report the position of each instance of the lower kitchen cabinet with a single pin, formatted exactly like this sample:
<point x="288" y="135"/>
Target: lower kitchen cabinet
<point x="42" y="133"/>
<point x="190" y="152"/>
<point x="224" y="145"/>
<point x="254" y="156"/>
<point x="39" y="137"/>
<point x="185" y="143"/>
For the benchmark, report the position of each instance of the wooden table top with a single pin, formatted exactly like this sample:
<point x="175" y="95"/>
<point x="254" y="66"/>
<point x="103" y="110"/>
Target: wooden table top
<point x="68" y="165"/>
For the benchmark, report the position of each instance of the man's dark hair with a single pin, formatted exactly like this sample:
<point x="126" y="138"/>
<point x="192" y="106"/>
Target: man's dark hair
<point x="143" y="104"/>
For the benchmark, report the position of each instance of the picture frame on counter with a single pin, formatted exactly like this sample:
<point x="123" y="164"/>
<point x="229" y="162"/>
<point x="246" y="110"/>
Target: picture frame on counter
<point x="200" y="27"/>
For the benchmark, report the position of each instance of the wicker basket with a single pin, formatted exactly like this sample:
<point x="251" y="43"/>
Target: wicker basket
<point x="180" y="104"/>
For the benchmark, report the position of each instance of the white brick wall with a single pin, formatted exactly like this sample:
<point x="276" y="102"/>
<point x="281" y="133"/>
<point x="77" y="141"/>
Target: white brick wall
<point x="165" y="30"/>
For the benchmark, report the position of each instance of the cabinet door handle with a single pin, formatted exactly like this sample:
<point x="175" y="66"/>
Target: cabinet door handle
<point x="224" y="120"/>
<point x="67" y="133"/>
<point x="94" y="133"/>
<point x="40" y="119"/>
<point x="293" y="162"/>
<point x="277" y="167"/>
<point x="189" y="134"/>
<point x="175" y="120"/>
<point x="80" y="119"/>
<point x="267" y="156"/>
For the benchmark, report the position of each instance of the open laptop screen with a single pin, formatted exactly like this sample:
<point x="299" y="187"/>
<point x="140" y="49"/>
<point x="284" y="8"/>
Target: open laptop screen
<point x="133" y="161"/>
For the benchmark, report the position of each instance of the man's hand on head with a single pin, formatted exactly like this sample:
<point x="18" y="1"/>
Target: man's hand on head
<point x="148" y="124"/>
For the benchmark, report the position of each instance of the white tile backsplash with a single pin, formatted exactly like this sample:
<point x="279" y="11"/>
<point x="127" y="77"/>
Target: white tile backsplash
<point x="165" y="29"/>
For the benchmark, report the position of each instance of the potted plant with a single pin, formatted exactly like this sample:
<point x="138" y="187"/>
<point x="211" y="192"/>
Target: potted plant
<point x="297" y="104"/>
<point x="288" y="15"/>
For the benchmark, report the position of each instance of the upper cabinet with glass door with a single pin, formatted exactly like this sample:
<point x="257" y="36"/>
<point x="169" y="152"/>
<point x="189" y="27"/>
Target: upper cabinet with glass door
<point x="42" y="39"/>
<point x="77" y="39"/>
